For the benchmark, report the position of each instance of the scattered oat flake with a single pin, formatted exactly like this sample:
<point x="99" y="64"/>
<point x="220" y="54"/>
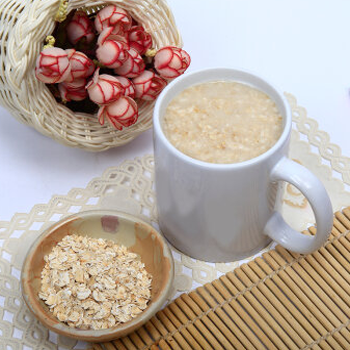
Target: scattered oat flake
<point x="93" y="283"/>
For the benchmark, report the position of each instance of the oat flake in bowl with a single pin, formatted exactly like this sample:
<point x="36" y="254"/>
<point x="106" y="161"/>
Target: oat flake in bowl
<point x="91" y="283"/>
<point x="127" y="230"/>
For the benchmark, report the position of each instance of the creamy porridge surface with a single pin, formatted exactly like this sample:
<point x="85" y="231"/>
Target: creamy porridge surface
<point x="222" y="122"/>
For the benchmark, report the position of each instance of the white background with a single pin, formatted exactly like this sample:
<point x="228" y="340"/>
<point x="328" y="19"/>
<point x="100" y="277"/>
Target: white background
<point x="301" y="46"/>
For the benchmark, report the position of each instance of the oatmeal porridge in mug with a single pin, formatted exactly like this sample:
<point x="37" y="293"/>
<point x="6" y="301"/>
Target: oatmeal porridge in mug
<point x="222" y="122"/>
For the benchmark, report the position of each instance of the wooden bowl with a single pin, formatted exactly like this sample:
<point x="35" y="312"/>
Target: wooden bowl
<point x="138" y="236"/>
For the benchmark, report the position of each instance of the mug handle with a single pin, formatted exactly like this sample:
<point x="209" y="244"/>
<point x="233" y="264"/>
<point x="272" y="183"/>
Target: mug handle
<point x="312" y="188"/>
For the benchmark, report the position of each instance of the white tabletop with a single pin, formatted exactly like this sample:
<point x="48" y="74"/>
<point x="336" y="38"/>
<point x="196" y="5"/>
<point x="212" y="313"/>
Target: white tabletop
<point x="301" y="46"/>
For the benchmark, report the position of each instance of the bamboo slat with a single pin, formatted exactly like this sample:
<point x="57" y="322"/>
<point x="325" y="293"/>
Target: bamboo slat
<point x="280" y="300"/>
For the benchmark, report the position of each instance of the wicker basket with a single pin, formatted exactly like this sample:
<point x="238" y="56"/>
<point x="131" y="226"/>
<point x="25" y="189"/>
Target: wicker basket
<point x="24" y="26"/>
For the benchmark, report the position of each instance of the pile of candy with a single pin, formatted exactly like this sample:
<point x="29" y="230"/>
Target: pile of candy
<point x="122" y="53"/>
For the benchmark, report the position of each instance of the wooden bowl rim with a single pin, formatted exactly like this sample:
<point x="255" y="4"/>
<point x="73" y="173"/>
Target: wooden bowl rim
<point x="123" y="329"/>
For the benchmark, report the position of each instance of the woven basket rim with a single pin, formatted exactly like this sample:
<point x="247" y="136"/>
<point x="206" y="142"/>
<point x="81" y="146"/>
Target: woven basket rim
<point x="31" y="102"/>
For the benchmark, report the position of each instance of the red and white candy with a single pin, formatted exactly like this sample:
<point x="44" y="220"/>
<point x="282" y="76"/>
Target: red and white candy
<point x="121" y="43"/>
<point x="170" y="62"/>
<point x="104" y="88"/>
<point x="133" y="66"/>
<point x="110" y="52"/>
<point x="148" y="85"/>
<point x="107" y="34"/>
<point x="139" y="40"/>
<point x="52" y="66"/>
<point x="128" y="86"/>
<point x="81" y="65"/>
<point x="115" y="17"/>
<point x="80" y="27"/>
<point x="73" y="91"/>
<point x="121" y="113"/>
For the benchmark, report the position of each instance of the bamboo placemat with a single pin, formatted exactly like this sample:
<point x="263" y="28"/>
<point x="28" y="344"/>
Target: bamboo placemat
<point x="280" y="300"/>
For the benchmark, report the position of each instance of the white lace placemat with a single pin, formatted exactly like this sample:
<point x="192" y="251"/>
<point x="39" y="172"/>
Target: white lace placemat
<point x="129" y="187"/>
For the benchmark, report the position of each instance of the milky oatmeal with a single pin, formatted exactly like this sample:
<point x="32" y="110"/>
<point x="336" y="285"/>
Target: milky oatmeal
<point x="222" y="122"/>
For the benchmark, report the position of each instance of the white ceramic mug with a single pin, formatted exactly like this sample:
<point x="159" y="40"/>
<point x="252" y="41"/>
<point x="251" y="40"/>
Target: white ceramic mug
<point x="226" y="212"/>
